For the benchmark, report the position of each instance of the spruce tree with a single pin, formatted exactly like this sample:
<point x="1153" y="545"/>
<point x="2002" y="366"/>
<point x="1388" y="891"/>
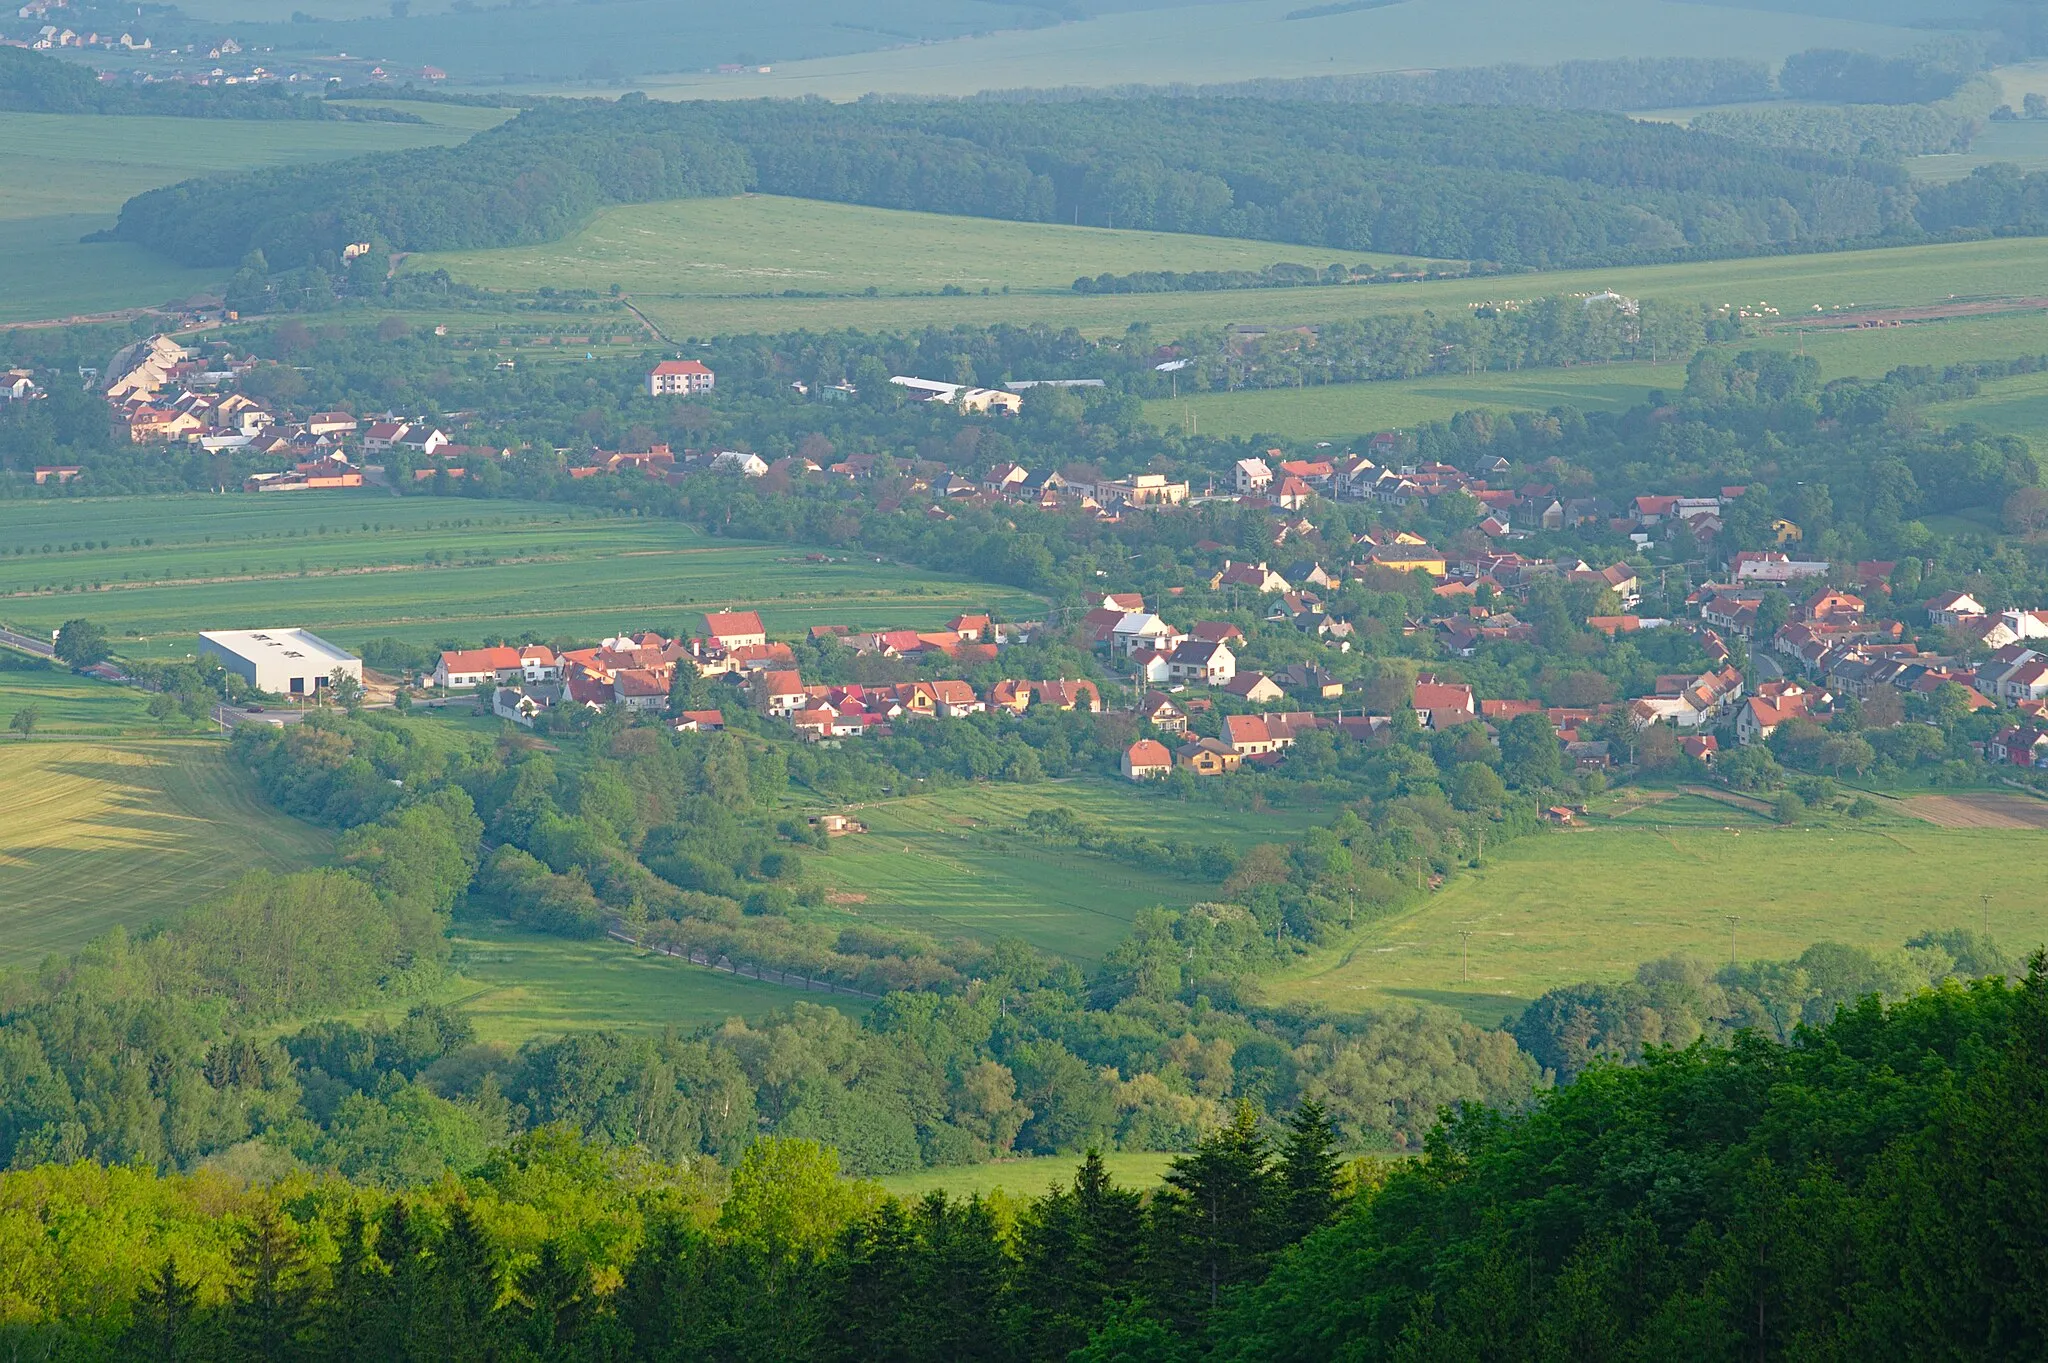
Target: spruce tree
<point x="165" y="1328"/>
<point x="1308" y="1173"/>
<point x="553" y="1296"/>
<point x="269" y="1311"/>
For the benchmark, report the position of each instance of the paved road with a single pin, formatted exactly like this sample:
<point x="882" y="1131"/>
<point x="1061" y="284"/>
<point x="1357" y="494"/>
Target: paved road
<point x="27" y="643"/>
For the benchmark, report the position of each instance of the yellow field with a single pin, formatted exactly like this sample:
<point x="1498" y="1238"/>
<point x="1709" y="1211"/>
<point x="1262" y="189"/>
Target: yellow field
<point x="98" y="834"/>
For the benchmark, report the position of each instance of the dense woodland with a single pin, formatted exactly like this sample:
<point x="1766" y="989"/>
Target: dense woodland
<point x="1859" y="1192"/>
<point x="1527" y="188"/>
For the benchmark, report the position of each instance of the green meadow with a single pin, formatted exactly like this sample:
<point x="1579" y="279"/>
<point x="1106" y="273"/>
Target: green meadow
<point x="355" y="565"/>
<point x="1028" y="1176"/>
<point x="95" y="835"/>
<point x="1254" y="38"/>
<point x="942" y="864"/>
<point x="515" y="985"/>
<point x="1797" y="285"/>
<point x="762" y="244"/>
<point x="1593" y="903"/>
<point x="65" y="175"/>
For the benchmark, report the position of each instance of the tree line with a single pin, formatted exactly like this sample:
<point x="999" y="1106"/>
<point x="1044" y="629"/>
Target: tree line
<point x="1869" y="1188"/>
<point x="1527" y="188"/>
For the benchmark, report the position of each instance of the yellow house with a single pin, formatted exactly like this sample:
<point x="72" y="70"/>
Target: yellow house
<point x="1407" y="560"/>
<point x="1787" y="532"/>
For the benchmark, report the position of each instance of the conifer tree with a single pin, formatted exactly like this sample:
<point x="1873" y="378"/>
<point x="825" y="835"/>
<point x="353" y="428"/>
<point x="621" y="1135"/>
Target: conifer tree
<point x="1307" y="1172"/>
<point x="269" y="1310"/>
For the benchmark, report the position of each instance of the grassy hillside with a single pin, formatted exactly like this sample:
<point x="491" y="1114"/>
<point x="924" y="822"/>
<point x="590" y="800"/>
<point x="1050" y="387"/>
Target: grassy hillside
<point x="95" y="834"/>
<point x="1595" y="902"/>
<point x="762" y="244"/>
<point x="64" y="175"/>
<point x="516" y="985"/>
<point x="354" y="565"/>
<point x="1343" y="410"/>
<point x="936" y="864"/>
<point x="1251" y="38"/>
<point x="1795" y="285"/>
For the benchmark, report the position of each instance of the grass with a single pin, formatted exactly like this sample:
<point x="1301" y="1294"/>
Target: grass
<point x="65" y="175"/>
<point x="1595" y="902"/>
<point x="514" y="985"/>
<point x="2011" y="405"/>
<point x="350" y="566"/>
<point x="758" y="244"/>
<point x="1028" y="1176"/>
<point x="1236" y="41"/>
<point x="95" y="835"/>
<point x="1794" y="284"/>
<point x="932" y="863"/>
<point x="2025" y="144"/>
<point x="1354" y="408"/>
<point x="66" y="703"/>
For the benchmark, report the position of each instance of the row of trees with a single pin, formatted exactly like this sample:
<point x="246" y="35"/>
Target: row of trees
<point x="1868" y="1189"/>
<point x="1532" y="188"/>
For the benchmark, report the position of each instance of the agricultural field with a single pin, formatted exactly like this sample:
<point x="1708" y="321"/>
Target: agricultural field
<point x="65" y="175"/>
<point x="352" y="566"/>
<point x="1028" y="1176"/>
<point x="2024" y="144"/>
<point x="938" y="864"/>
<point x="763" y="244"/>
<point x="2013" y="405"/>
<point x="1797" y="285"/>
<point x="95" y="835"/>
<point x="1595" y="902"/>
<point x="514" y="985"/>
<point x="1253" y="38"/>
<point x="1349" y="409"/>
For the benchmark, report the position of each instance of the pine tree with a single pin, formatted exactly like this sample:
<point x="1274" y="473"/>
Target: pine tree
<point x="349" y="1307"/>
<point x="464" y="1287"/>
<point x="553" y="1296"/>
<point x="1080" y="1249"/>
<point x="165" y="1328"/>
<point x="960" y="1282"/>
<point x="649" y="1299"/>
<point x="865" y="1315"/>
<point x="270" y="1307"/>
<point x="1308" y="1173"/>
<point x="1211" y="1227"/>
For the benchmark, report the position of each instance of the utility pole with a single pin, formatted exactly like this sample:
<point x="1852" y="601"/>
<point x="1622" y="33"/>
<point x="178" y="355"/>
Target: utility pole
<point x="1732" y="921"/>
<point x="1466" y="972"/>
<point x="1987" y="915"/>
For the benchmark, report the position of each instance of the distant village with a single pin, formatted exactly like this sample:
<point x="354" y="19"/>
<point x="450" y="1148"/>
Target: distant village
<point x="1818" y="633"/>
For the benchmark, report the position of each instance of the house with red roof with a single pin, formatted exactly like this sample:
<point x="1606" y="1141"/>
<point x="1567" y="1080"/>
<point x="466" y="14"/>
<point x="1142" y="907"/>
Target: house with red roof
<point x="463" y="668"/>
<point x="1440" y="704"/>
<point x="1146" y="760"/>
<point x="734" y="629"/>
<point x="680" y="378"/>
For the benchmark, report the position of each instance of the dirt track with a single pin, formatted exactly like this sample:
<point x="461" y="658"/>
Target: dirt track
<point x="1981" y="810"/>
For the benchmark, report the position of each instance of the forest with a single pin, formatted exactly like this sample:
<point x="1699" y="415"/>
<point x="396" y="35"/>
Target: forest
<point x="1865" y="1187"/>
<point x="1526" y="188"/>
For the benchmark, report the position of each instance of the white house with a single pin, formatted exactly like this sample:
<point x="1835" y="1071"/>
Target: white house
<point x="1211" y="664"/>
<point x="1252" y="475"/>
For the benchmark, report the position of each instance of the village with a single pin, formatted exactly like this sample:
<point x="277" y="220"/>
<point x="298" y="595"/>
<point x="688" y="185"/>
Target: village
<point x="1784" y="637"/>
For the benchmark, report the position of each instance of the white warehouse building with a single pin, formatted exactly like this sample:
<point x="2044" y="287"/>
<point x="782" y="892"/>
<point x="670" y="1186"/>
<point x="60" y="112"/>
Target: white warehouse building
<point x="284" y="662"/>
